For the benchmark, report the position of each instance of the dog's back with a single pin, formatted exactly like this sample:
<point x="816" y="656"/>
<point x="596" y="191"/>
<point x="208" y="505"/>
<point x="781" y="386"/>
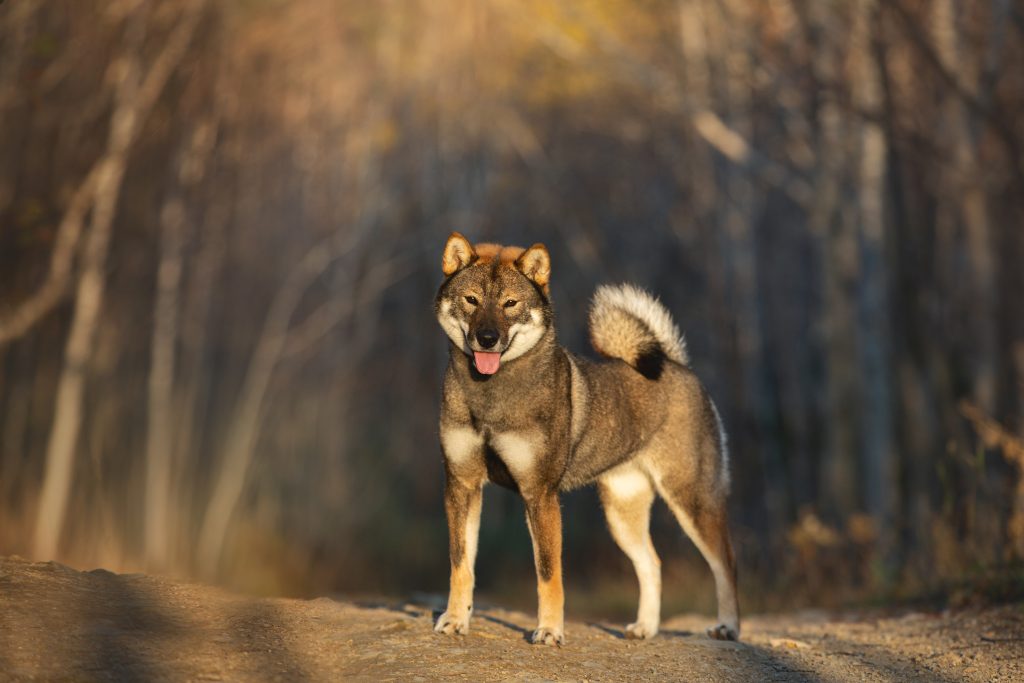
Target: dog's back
<point x="645" y="393"/>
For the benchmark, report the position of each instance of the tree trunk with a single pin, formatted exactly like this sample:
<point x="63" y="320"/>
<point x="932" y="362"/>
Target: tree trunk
<point x="193" y="398"/>
<point x="965" y="182"/>
<point x="134" y="99"/>
<point x="879" y="480"/>
<point x="160" y="445"/>
<point x="836" y="237"/>
<point x="67" y="417"/>
<point x="244" y="426"/>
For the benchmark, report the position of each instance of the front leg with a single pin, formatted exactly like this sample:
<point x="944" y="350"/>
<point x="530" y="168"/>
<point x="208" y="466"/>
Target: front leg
<point x="544" y="517"/>
<point x="462" y="503"/>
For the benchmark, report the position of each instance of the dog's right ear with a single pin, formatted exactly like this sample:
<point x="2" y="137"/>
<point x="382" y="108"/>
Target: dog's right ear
<point x="458" y="253"/>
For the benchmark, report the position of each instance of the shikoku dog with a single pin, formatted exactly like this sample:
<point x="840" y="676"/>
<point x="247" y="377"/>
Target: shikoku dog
<point x="522" y="412"/>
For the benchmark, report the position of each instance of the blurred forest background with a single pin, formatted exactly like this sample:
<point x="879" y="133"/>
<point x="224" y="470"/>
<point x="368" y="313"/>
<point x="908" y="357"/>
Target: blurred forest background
<point x="220" y="237"/>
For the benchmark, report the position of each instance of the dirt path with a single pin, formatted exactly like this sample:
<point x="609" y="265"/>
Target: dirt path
<point x="58" y="623"/>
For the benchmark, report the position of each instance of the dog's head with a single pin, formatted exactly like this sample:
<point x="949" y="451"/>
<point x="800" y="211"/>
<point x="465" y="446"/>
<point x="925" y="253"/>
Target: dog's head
<point x="494" y="303"/>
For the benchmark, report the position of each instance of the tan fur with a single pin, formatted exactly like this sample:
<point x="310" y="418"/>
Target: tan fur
<point x="625" y="319"/>
<point x="506" y="256"/>
<point x="627" y="495"/>
<point x="547" y="421"/>
<point x="462" y="506"/>
<point x="458" y="253"/>
<point x="545" y="523"/>
<point x="535" y="263"/>
<point x="550" y="610"/>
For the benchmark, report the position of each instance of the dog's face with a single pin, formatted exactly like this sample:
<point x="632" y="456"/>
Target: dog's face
<point x="494" y="302"/>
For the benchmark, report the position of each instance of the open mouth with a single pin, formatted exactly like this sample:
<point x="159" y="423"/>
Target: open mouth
<point x="487" y="362"/>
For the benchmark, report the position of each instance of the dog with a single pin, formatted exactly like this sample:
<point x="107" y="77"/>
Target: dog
<point x="522" y="412"/>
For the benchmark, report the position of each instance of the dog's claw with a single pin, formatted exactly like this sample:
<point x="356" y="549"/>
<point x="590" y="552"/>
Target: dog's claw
<point x="452" y="625"/>
<point x="722" y="632"/>
<point x="548" y="636"/>
<point x="638" y="631"/>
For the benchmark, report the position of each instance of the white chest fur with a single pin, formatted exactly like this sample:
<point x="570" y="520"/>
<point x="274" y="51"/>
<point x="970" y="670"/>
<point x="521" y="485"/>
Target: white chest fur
<point x="461" y="445"/>
<point x="519" y="452"/>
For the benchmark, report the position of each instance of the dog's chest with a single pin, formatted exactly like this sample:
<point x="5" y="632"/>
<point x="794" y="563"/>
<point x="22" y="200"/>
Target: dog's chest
<point x="519" y="451"/>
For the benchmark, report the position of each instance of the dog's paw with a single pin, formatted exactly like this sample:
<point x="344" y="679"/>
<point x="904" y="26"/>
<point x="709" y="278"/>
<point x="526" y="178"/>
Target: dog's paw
<point x="641" y="631"/>
<point x="451" y="624"/>
<point x="723" y="632"/>
<point x="548" y="636"/>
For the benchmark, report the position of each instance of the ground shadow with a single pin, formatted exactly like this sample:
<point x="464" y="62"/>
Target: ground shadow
<point x="117" y="622"/>
<point x="620" y="634"/>
<point x="525" y="632"/>
<point x="397" y="607"/>
<point x="613" y="632"/>
<point x="101" y="624"/>
<point x="677" y="633"/>
<point x="258" y="629"/>
<point x="874" y="662"/>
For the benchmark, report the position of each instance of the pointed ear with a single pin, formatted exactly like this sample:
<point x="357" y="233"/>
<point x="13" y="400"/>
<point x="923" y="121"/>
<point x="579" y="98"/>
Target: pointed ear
<point x="535" y="263"/>
<point x="458" y="253"/>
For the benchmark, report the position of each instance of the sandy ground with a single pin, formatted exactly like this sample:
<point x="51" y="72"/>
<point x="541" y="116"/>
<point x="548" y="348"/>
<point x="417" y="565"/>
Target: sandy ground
<point x="58" y="623"/>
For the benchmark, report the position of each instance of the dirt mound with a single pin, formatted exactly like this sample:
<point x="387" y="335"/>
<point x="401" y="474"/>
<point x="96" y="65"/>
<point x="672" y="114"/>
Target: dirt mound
<point x="56" y="622"/>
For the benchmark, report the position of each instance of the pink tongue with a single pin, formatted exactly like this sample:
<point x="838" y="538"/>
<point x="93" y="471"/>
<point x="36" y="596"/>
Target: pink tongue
<point x="487" y="363"/>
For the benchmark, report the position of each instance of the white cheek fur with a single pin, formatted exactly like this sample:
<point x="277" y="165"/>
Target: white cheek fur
<point x="524" y="336"/>
<point x="453" y="327"/>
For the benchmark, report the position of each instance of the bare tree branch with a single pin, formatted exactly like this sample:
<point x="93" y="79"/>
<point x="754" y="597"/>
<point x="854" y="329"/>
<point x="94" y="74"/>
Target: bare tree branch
<point x="244" y="426"/>
<point x="52" y="290"/>
<point x="321" y="321"/>
<point x="911" y="29"/>
<point x="133" y="103"/>
<point x="617" y="58"/>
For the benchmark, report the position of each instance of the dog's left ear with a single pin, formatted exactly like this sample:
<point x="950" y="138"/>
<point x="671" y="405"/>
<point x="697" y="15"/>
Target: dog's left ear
<point x="535" y="263"/>
<point x="458" y="253"/>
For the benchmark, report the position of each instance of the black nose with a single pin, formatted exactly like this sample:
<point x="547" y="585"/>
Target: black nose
<point x="487" y="338"/>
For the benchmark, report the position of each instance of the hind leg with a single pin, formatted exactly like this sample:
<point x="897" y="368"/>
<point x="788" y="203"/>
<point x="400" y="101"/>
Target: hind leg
<point x="627" y="496"/>
<point x="703" y="516"/>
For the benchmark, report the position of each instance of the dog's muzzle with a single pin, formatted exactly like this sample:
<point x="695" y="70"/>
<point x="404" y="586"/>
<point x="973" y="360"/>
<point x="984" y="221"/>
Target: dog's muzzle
<point x="487" y="338"/>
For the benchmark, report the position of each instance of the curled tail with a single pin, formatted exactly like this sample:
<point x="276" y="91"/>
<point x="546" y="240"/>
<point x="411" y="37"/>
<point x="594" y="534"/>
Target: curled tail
<point x="628" y="323"/>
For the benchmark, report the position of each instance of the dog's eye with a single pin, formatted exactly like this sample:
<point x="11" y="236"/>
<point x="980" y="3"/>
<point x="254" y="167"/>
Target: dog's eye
<point x="510" y="303"/>
<point x="471" y="300"/>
